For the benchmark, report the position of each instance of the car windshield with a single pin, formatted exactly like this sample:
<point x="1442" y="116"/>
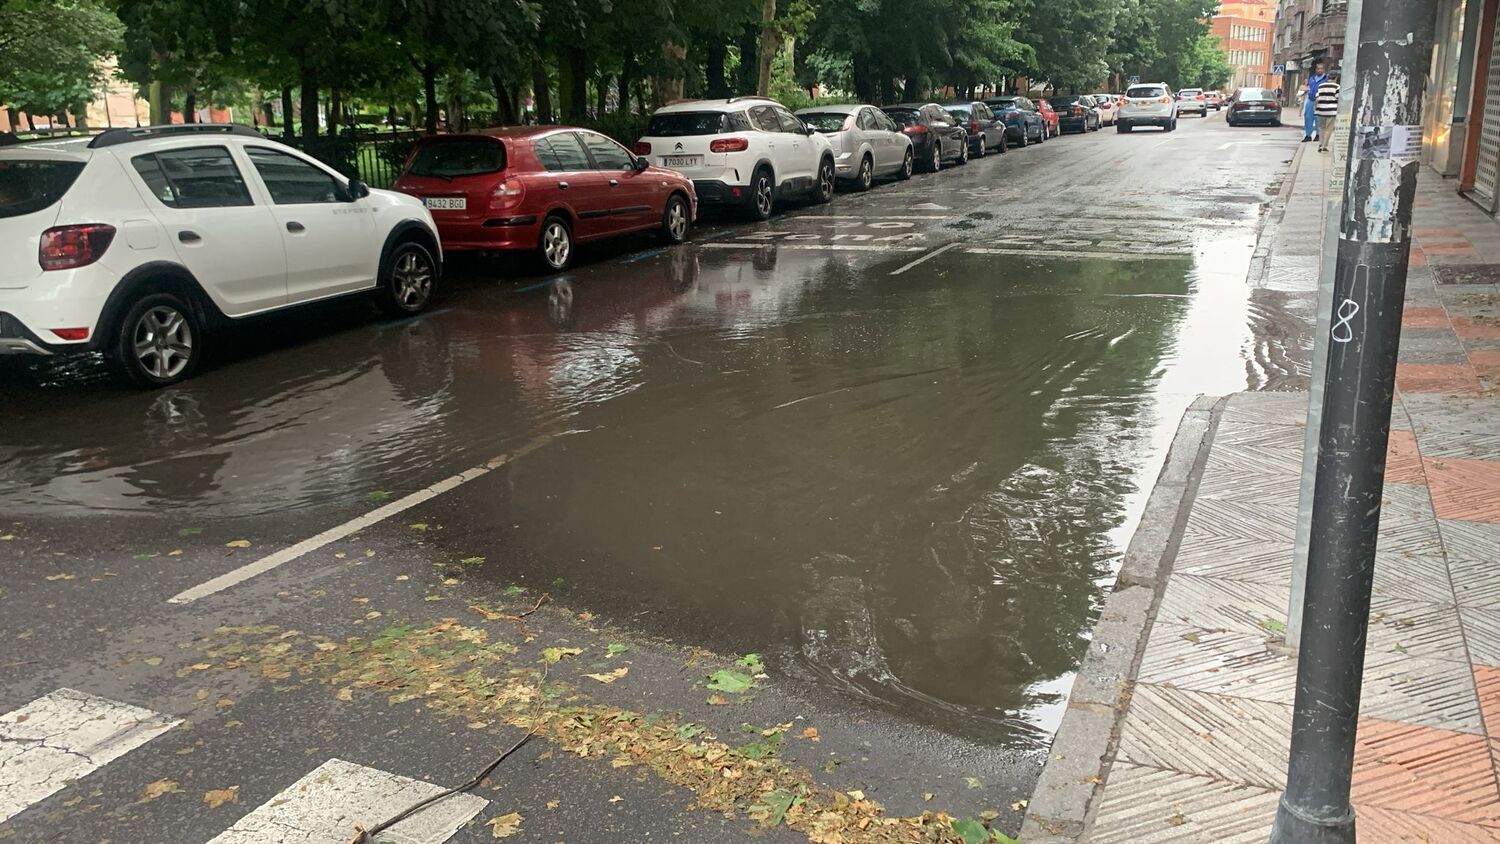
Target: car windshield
<point x="680" y="123"/>
<point x="825" y="121"/>
<point x="904" y="116"/>
<point x="449" y="158"/>
<point x="1146" y="91"/>
<point x="959" y="113"/>
<point x="30" y="185"/>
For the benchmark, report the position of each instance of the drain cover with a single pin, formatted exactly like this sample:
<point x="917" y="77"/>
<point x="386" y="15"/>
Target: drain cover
<point x="1466" y="273"/>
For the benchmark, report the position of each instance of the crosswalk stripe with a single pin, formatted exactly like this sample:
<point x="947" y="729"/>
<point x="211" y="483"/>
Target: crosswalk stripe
<point x="64" y="736"/>
<point x="326" y="805"/>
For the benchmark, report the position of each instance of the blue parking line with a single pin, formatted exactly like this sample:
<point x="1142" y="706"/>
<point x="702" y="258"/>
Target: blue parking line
<point x="548" y="283"/>
<point x="393" y="323"/>
<point x="642" y="256"/>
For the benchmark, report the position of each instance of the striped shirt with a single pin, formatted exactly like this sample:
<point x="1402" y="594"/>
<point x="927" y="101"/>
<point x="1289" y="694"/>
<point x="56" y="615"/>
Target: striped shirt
<point x="1328" y="99"/>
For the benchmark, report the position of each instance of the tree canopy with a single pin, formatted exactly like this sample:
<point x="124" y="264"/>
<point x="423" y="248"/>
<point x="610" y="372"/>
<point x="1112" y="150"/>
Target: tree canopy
<point x="50" y="53"/>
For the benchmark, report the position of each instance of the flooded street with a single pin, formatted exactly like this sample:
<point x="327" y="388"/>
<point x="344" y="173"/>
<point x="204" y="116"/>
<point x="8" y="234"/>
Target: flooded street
<point x="898" y="444"/>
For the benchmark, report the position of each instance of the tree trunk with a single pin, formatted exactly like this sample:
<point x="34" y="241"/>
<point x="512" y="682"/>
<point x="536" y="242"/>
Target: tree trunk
<point x="286" y="113"/>
<point x="669" y="88"/>
<point x="716" y="54"/>
<point x="429" y="94"/>
<point x="30" y="124"/>
<point x="749" y="49"/>
<point x="190" y="108"/>
<point x="505" y="106"/>
<point x="601" y="95"/>
<point x="335" y="112"/>
<point x="308" y="79"/>
<point x="541" y="90"/>
<point x="573" y="84"/>
<point x="627" y="83"/>
<point x="267" y="112"/>
<point x="911" y="90"/>
<point x="883" y="90"/>
<point x="770" y="39"/>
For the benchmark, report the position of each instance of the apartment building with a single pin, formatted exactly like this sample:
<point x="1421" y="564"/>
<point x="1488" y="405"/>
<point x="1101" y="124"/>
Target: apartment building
<point x="1245" y="29"/>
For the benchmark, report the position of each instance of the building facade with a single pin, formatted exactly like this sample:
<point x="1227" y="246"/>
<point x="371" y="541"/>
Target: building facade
<point x="1306" y="32"/>
<point x="1246" y="31"/>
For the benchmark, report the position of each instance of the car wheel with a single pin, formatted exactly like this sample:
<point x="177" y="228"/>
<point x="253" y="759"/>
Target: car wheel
<point x="979" y="151"/>
<point x="409" y="275"/>
<point x="1004" y="144"/>
<point x="555" y="244"/>
<point x="936" y="163"/>
<point x="1041" y="137"/>
<point x="158" y="342"/>
<point x="866" y="174"/>
<point x="907" y="165"/>
<point x="1122" y="128"/>
<point x="823" y="190"/>
<point x="675" y="220"/>
<point x="1025" y="138"/>
<point x="762" y="196"/>
<point x="963" y="153"/>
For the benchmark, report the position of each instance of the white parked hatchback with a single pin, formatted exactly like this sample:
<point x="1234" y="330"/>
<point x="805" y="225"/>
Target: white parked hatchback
<point x="743" y="152"/>
<point x="137" y="242"/>
<point x="866" y="143"/>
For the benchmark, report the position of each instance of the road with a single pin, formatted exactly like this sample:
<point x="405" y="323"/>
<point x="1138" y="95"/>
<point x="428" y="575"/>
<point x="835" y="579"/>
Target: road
<point x="894" y="445"/>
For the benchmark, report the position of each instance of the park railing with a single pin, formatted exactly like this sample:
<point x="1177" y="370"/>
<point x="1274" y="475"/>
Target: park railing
<point x="373" y="157"/>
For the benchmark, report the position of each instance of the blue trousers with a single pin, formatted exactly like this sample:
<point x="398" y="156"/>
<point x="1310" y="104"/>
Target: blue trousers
<point x="1309" y="119"/>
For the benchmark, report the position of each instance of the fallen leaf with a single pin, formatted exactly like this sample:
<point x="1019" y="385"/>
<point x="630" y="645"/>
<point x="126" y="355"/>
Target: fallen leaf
<point x="237" y="543"/>
<point x="360" y="599"/>
<point x="553" y="804"/>
<point x="615" y="649"/>
<point x="557" y="654"/>
<point x="751" y="662"/>
<point x="403" y="577"/>
<point x="1177" y="819"/>
<point x="201" y="666"/>
<point x="732" y="682"/>
<point x="378" y="495"/>
<point x="971" y="831"/>
<point x="585" y="617"/>
<point x="450" y="581"/>
<point x="973" y="782"/>
<point x="345" y="694"/>
<point x="1019" y="805"/>
<point x="717" y="700"/>
<point x="7" y="537"/>
<point x="617" y="798"/>
<point x="506" y="825"/>
<point x="219" y="796"/>
<point x="1273" y="625"/>
<point x="175" y="552"/>
<point x="152" y="660"/>
<point x="371" y="616"/>
<point x="418" y="526"/>
<point x="811" y="734"/>
<point x="326" y="646"/>
<point x="61" y="576"/>
<point x="610" y="677"/>
<point x="927" y="795"/>
<point x="856" y="794"/>
<point x="156" y="789"/>
<point x="189" y="531"/>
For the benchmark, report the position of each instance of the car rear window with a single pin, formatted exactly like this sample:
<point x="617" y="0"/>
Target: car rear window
<point x="959" y="113"/>
<point x="681" y="123"/>
<point x="1255" y="94"/>
<point x="825" y="121"/>
<point x="1008" y="103"/>
<point x="1145" y="91"/>
<point x="1062" y="101"/>
<point x="450" y="158"/>
<point x="904" y="116"/>
<point x="1190" y="92"/>
<point x="31" y="185"/>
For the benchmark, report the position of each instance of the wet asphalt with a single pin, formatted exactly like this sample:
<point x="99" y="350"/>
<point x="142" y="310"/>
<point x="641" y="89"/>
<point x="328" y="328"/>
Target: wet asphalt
<point x="897" y="444"/>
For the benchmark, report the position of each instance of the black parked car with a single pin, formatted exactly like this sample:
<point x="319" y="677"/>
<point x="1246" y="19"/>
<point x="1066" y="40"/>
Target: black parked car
<point x="1024" y="123"/>
<point x="1076" y="113"/>
<point x="1254" y="106"/>
<point x="986" y="131"/>
<point x="935" y="137"/>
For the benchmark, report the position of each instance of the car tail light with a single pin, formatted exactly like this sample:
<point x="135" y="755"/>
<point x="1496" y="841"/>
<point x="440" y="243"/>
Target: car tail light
<point x="71" y="333"/>
<point x="729" y="145"/>
<point x="1200" y="96"/>
<point x="508" y="194"/>
<point x="642" y="148"/>
<point x="68" y="247"/>
<point x="974" y="126"/>
<point x="917" y="129"/>
<point x="1166" y="99"/>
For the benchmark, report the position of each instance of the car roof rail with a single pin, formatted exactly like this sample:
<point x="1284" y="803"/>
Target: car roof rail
<point x="113" y="137"/>
<point x="749" y="97"/>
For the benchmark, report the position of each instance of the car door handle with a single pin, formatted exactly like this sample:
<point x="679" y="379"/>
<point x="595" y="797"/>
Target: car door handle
<point x="189" y="236"/>
<point x="614" y="183"/>
<point x="562" y="185"/>
<point x="294" y="226"/>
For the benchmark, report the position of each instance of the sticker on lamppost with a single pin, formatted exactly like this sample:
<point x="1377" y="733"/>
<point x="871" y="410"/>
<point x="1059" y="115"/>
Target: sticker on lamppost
<point x="1402" y="144"/>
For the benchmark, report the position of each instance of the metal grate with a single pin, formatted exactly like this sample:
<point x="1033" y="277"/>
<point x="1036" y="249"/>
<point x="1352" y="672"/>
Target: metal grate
<point x="1487" y="177"/>
<point x="1466" y="273"/>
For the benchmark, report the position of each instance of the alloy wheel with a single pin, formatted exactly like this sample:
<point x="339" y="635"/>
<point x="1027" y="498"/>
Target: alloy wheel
<point x="937" y="157"/>
<point x="412" y="280"/>
<point x="825" y="181"/>
<point x="163" y="341"/>
<point x="763" y="196"/>
<point x="677" y="221"/>
<point x="908" y="163"/>
<point x="866" y="174"/>
<point x="557" y="244"/>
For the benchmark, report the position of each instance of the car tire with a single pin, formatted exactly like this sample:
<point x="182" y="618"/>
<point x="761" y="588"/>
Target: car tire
<point x="407" y="280"/>
<point x="936" y="163"/>
<point x="554" y="245"/>
<point x="158" y="342"/>
<point x="676" y="220"/>
<point x="981" y="150"/>
<point x="823" y="187"/>
<point x="908" y="163"/>
<point x="762" y="196"/>
<point x="866" y="177"/>
<point x="1122" y="128"/>
<point x="1004" y="144"/>
<point x="1025" y="138"/>
<point x="963" y="154"/>
<point x="1041" y="137"/>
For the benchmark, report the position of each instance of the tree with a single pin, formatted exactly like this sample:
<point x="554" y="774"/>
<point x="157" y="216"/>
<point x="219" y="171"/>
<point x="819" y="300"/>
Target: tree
<point x="51" y="53"/>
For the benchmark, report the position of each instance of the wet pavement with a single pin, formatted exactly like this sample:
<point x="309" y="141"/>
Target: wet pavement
<point x="897" y="443"/>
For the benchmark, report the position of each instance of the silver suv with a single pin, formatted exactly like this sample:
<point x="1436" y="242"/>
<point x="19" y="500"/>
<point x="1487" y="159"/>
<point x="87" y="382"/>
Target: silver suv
<point x="1147" y="104"/>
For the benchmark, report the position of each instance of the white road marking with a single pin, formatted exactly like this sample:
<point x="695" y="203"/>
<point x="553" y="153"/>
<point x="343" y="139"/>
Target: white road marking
<point x="816" y="247"/>
<point x="327" y="803"/>
<point x="930" y="255"/>
<point x="1059" y="253"/>
<point x="929" y="206"/>
<point x="65" y="736"/>
<point x="1232" y="144"/>
<point x="815" y="218"/>
<point x="333" y="534"/>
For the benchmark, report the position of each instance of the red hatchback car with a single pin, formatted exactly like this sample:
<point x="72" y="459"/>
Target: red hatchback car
<point x="543" y="189"/>
<point x="1050" y="117"/>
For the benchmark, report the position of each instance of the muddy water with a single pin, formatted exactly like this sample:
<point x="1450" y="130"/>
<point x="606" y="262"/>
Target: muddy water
<point x="913" y="488"/>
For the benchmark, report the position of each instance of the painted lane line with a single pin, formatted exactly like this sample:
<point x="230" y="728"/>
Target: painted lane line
<point x="929" y="256"/>
<point x="65" y="736"/>
<point x="326" y="804"/>
<point x="814" y="247"/>
<point x="873" y="217"/>
<point x="1060" y="253"/>
<point x="333" y="534"/>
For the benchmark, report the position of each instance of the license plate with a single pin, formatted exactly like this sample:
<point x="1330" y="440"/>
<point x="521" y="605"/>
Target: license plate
<point x="446" y="203"/>
<point x="682" y="160"/>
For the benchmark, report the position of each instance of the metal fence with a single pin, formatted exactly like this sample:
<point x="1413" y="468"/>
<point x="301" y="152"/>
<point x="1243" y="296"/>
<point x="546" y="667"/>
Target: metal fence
<point x="375" y="158"/>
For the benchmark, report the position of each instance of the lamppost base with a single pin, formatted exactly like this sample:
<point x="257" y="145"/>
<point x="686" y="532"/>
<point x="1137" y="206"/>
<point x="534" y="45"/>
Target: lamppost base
<point x="1294" y="827"/>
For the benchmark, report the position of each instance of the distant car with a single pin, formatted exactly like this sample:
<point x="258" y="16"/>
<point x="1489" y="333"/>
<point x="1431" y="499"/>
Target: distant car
<point x="1076" y="113"/>
<point x="1214" y="99"/>
<point x="986" y="131"/>
<point x="1147" y="104"/>
<point x="1108" y="108"/>
<point x="1024" y="122"/>
<point x="1254" y="106"/>
<point x="746" y="153"/>
<point x="865" y="142"/>
<point x="543" y="189"/>
<point x="139" y="243"/>
<point x="1050" y="117"/>
<point x="935" y="137"/>
<point x="1192" y="101"/>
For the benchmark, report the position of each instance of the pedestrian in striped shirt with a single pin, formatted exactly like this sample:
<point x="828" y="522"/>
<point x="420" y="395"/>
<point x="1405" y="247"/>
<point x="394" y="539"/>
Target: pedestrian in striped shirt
<point x="1327" y="109"/>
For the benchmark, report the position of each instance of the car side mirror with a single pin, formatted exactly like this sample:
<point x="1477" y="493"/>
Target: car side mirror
<point x="641" y="163"/>
<point x="808" y="130"/>
<point x="358" y="189"/>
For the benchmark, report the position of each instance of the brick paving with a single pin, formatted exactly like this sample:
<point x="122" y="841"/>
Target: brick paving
<point x="1200" y="753"/>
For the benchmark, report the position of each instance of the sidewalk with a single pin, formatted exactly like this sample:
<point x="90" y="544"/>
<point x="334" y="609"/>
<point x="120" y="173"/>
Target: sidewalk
<point x="1179" y="722"/>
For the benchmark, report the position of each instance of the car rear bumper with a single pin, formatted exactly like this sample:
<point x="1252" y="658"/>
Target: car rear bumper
<point x="715" y="192"/>
<point x="1073" y="122"/>
<point x="1196" y="108"/>
<point x="1256" y="116"/>
<point x="17" y="339"/>
<point x="491" y="234"/>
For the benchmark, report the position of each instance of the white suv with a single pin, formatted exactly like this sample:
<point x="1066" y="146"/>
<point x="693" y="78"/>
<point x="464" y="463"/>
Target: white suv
<point x="1148" y="104"/>
<point x="745" y="152"/>
<point x="1192" y="100"/>
<point x="136" y="242"/>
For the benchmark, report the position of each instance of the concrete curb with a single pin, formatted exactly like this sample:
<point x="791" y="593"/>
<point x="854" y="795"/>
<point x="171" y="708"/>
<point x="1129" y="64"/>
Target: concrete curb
<point x="1260" y="259"/>
<point x="1084" y="748"/>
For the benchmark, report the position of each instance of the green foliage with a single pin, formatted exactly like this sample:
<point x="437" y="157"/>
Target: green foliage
<point x="50" y="53"/>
